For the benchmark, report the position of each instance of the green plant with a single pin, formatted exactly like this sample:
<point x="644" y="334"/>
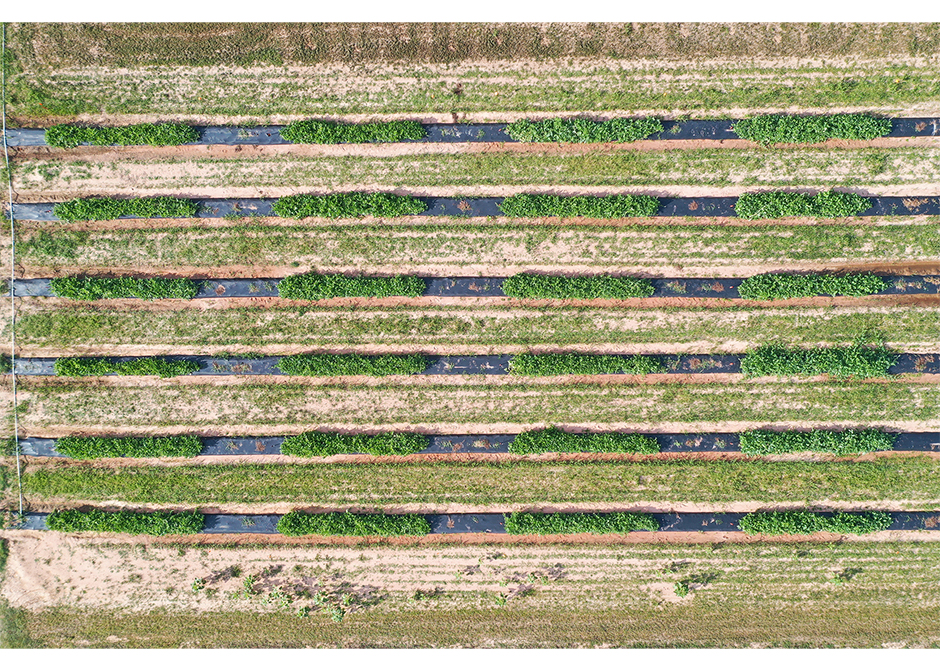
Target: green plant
<point x="762" y="442"/>
<point x="314" y="286"/>
<point x="855" y="360"/>
<point x="123" y="522"/>
<point x="772" y="128"/>
<point x="6" y="363"/>
<point x="352" y="364"/>
<point x="94" y="288"/>
<point x="555" y="440"/>
<point x="82" y="366"/>
<point x="773" y="286"/>
<point x="163" y="134"/>
<point x="525" y="285"/>
<point x="803" y="522"/>
<point x="101" y="447"/>
<point x="199" y="584"/>
<point x="322" y="444"/>
<point x="583" y="130"/>
<point x="579" y="523"/>
<point x="584" y="364"/>
<point x="776" y="204"/>
<point x="348" y="524"/>
<point x="598" y="207"/>
<point x="104" y="209"/>
<point x="681" y="589"/>
<point x="331" y="132"/>
<point x="354" y="204"/>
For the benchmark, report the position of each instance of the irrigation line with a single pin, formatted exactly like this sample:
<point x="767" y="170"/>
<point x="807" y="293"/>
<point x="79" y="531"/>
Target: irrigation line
<point x="6" y="156"/>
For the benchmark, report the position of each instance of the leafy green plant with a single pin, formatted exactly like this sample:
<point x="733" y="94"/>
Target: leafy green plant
<point x="160" y="135"/>
<point x="598" y="207"/>
<point x="777" y="204"/>
<point x="104" y="209"/>
<point x="681" y="588"/>
<point x="83" y="288"/>
<point x="773" y="286"/>
<point x="525" y="285"/>
<point x="331" y="132"/>
<point x="584" y="364"/>
<point x="579" y="523"/>
<point x="348" y="524"/>
<point x="772" y="128"/>
<point x="583" y="130"/>
<point x="83" y="366"/>
<point x="314" y="286"/>
<point x="762" y="442"/>
<point x="855" y="360"/>
<point x="555" y="440"/>
<point x="803" y="522"/>
<point x="322" y="444"/>
<point x="324" y="365"/>
<point x="122" y="522"/>
<point x="354" y="204"/>
<point x="100" y="447"/>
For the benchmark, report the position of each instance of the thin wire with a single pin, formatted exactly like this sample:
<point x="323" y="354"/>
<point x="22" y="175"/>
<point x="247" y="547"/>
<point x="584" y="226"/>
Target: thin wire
<point x="6" y="155"/>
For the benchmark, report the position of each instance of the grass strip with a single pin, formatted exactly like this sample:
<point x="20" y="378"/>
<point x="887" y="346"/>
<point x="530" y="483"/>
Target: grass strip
<point x="802" y="522"/>
<point x="597" y="207"/>
<point x="583" y="130"/>
<point x="772" y="286"/>
<point x="106" y="209"/>
<point x="757" y="443"/>
<point x="585" y="364"/>
<point x="326" y="365"/>
<point x="772" y="128"/>
<point x="123" y="522"/>
<point x="525" y="285"/>
<point x="160" y="135"/>
<point x="296" y="523"/>
<point x="315" y="286"/>
<point x="856" y="360"/>
<point x="778" y="204"/>
<point x="313" y="131"/>
<point x="84" y="366"/>
<point x="84" y="288"/>
<point x="101" y="447"/>
<point x="556" y="440"/>
<point x="324" y="444"/>
<point x="354" y="204"/>
<point x="579" y="523"/>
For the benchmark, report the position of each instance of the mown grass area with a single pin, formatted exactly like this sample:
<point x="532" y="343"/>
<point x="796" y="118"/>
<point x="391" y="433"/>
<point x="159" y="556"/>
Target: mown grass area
<point x="695" y="329"/>
<point x="291" y="406"/>
<point x="460" y="243"/>
<point x="801" y="167"/>
<point x="913" y="481"/>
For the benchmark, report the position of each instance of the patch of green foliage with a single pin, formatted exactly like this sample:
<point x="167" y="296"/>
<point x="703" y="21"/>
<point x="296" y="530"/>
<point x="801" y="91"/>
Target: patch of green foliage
<point x="354" y="204"/>
<point x="771" y="128"/>
<point x="777" y="204"/>
<point x="579" y="523"/>
<point x="106" y="208"/>
<point x="151" y="524"/>
<point x="583" y="130"/>
<point x="332" y="132"/>
<point x="802" y="522"/>
<point x="323" y="444"/>
<point x="525" y="285"/>
<point x="83" y="366"/>
<point x="315" y="286"/>
<point x="584" y="364"/>
<point x="326" y="365"/>
<point x="6" y="363"/>
<point x="101" y="447"/>
<point x="831" y="442"/>
<point x="160" y="135"/>
<point x="856" y="360"/>
<point x="556" y="440"/>
<point x="773" y="286"/>
<point x="348" y="524"/>
<point x="83" y="288"/>
<point x="597" y="207"/>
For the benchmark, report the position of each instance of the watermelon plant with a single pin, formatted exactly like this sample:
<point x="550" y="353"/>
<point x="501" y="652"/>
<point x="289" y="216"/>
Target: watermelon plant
<point x="316" y="286"/>
<point x="777" y="204"/>
<point x="106" y="208"/>
<point x="856" y="360"/>
<point x="585" y="364"/>
<point x="101" y="447"/>
<point x="583" y="130"/>
<point x="325" y="365"/>
<point x="556" y="440"/>
<point x="354" y="204"/>
<point x="790" y="522"/>
<point x="597" y="207"/>
<point x="332" y="132"/>
<point x="579" y="523"/>
<point x="773" y="128"/>
<point x="84" y="288"/>
<point x="85" y="366"/>
<point x="525" y="285"/>
<point x="324" y="444"/>
<point x="761" y="442"/>
<point x="348" y="524"/>
<point x="123" y="522"/>
<point x="773" y="286"/>
<point x="160" y="135"/>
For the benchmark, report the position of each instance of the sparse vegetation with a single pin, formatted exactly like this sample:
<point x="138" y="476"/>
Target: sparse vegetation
<point x="331" y="132"/>
<point x="123" y="522"/>
<point x="162" y="134"/>
<point x="84" y="366"/>
<point x="525" y="285"/>
<point x="348" y="524"/>
<point x="324" y="444"/>
<point x="583" y="130"/>
<point x="556" y="440"/>
<point x="775" y="286"/>
<point x="83" y="288"/>
<point x="316" y="286"/>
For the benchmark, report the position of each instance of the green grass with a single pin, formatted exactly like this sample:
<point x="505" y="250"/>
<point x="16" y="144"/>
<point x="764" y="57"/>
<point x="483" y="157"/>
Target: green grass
<point x="778" y="204"/>
<point x="772" y="286"/>
<point x="584" y="364"/>
<point x="95" y="366"/>
<point x="104" y="209"/>
<point x="525" y="285"/>
<point x="123" y="522"/>
<point x="325" y="444"/>
<point x="841" y="443"/>
<point x="772" y="128"/>
<point x="579" y="523"/>
<point x="162" y="134"/>
<point x="583" y="130"/>
<point x="94" y="288"/>
<point x="555" y="440"/>
<point x="331" y="132"/>
<point x="316" y="286"/>
<point x="352" y="364"/>
<point x="856" y="360"/>
<point x="100" y="447"/>
<point x="802" y="522"/>
<point x="347" y="524"/>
